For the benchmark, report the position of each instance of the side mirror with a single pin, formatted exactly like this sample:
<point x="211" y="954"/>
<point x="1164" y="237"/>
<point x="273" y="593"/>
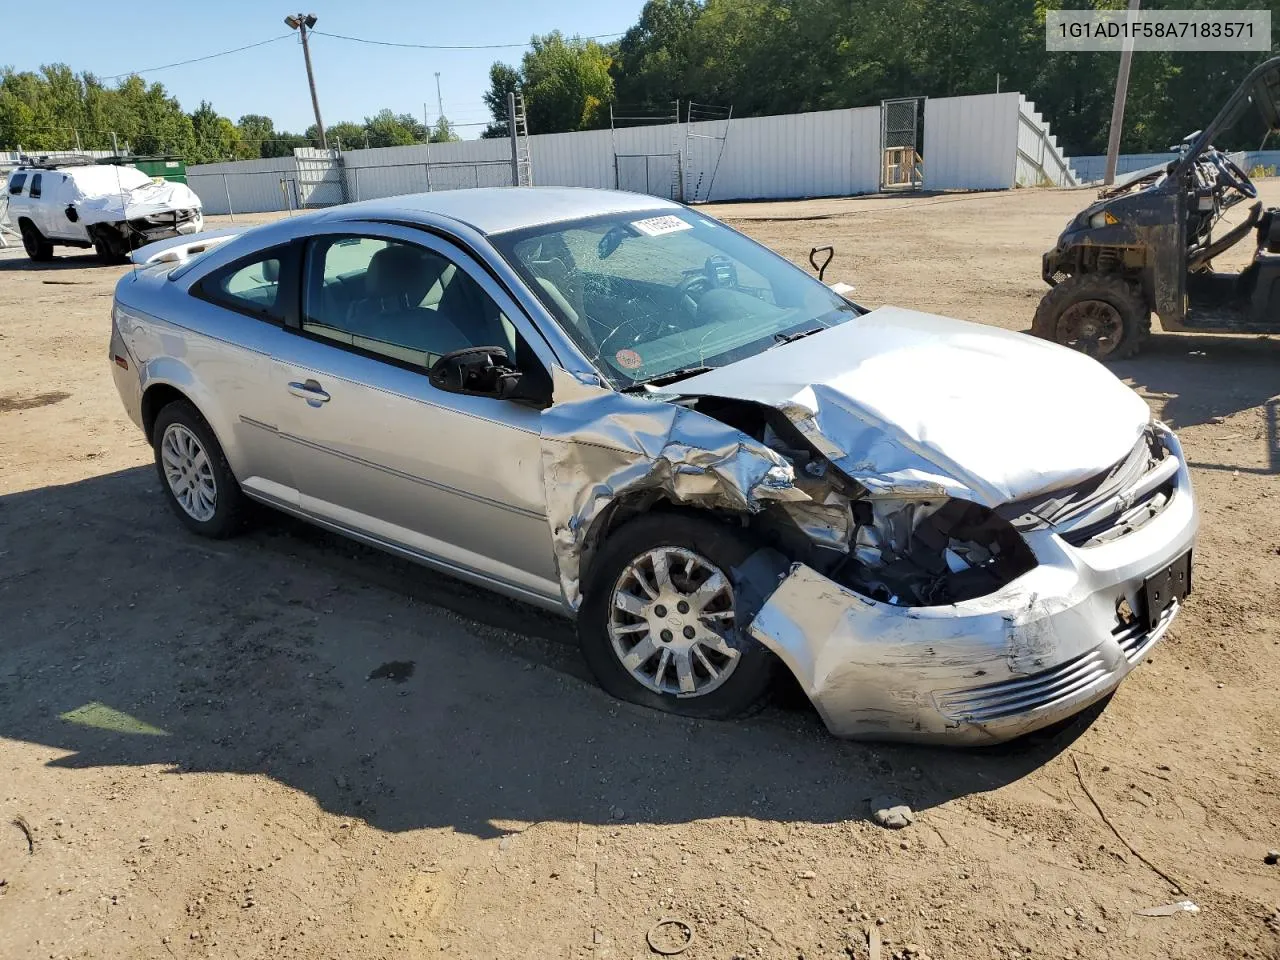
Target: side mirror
<point x="485" y="372"/>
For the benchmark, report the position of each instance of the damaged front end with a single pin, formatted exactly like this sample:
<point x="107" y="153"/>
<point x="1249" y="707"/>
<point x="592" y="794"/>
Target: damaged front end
<point x="946" y="622"/>
<point x="905" y="607"/>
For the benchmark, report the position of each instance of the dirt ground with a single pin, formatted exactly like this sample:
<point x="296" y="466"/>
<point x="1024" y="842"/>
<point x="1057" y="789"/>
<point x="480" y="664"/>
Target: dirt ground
<point x="193" y="763"/>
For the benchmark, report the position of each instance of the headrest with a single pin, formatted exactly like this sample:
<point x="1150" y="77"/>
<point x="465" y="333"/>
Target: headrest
<point x="403" y="272"/>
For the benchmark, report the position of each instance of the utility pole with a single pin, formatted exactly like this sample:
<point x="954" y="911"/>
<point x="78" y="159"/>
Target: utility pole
<point x="300" y="22"/>
<point x="439" y="99"/>
<point x="1117" y="107"/>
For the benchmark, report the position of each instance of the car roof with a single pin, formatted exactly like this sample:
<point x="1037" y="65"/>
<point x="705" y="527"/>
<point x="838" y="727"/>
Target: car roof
<point x="493" y="210"/>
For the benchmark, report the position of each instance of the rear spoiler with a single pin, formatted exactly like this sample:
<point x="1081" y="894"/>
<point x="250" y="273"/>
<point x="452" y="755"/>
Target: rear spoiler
<point x="178" y="249"/>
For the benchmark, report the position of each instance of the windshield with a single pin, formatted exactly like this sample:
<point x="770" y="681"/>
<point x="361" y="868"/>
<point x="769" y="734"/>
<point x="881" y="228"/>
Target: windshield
<point x="649" y="295"/>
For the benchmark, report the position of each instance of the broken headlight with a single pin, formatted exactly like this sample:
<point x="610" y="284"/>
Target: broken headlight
<point x="930" y="552"/>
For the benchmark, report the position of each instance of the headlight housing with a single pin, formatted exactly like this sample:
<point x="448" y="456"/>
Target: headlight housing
<point x="930" y="552"/>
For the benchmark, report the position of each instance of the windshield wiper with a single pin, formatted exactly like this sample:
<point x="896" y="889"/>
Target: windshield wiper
<point x="780" y="338"/>
<point x="671" y="376"/>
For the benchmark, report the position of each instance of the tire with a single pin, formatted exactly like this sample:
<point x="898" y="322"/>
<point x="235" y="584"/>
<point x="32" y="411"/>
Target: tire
<point x="745" y="677"/>
<point x="180" y="434"/>
<point x="1114" y="307"/>
<point x="33" y="241"/>
<point x="106" y="249"/>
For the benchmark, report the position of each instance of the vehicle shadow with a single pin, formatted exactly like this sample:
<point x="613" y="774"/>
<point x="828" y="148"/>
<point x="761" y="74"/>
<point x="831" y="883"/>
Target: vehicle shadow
<point x="66" y="261"/>
<point x="386" y="692"/>
<point x="1202" y="379"/>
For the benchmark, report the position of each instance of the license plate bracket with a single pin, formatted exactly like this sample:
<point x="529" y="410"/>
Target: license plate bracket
<point x="1162" y="589"/>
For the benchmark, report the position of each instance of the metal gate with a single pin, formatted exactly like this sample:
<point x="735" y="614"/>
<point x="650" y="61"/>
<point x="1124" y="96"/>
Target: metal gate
<point x="657" y="174"/>
<point x="901" y="165"/>
<point x="320" y="180"/>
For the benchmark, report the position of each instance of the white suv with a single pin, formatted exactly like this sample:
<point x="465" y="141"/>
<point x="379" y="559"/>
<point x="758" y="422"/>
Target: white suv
<point x="111" y="207"/>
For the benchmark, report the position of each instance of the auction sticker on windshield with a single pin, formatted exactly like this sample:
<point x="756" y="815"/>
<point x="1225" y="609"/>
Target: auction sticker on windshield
<point x="657" y="226"/>
<point x="629" y="359"/>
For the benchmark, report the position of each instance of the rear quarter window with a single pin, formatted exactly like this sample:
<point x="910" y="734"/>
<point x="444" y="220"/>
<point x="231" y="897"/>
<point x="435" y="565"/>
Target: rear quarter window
<point x="251" y="285"/>
<point x="16" y="183"/>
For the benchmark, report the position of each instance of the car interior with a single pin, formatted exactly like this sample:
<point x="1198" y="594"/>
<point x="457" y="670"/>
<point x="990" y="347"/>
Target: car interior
<point x="406" y="302"/>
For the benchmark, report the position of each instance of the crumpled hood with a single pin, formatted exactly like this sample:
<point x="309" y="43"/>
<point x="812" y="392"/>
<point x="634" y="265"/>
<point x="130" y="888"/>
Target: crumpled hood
<point x="140" y="201"/>
<point x="913" y="403"/>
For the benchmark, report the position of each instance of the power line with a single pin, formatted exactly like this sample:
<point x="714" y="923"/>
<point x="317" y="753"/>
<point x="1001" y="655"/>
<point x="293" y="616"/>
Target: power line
<point x="211" y="56"/>
<point x="470" y="46"/>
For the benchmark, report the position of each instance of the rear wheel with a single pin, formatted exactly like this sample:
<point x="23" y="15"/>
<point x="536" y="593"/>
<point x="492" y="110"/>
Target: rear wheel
<point x="659" y="624"/>
<point x="1098" y="314"/>
<point x="34" y="242"/>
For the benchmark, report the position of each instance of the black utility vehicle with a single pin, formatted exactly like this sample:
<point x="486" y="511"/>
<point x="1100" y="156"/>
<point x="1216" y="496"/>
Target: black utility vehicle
<point x="1147" y="245"/>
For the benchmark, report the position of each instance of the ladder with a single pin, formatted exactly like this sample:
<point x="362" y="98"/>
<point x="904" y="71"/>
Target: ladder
<point x="524" y="160"/>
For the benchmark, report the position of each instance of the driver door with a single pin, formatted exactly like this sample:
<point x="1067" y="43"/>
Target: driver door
<point x="376" y="449"/>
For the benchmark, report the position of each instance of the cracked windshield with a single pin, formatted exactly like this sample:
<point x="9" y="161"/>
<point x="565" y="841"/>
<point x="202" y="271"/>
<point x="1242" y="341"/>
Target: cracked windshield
<point x="654" y="296"/>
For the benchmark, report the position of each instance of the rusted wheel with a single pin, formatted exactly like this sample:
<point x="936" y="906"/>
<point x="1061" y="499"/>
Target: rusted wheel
<point x="1103" y="316"/>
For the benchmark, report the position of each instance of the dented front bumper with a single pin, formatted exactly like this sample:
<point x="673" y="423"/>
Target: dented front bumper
<point x="985" y="670"/>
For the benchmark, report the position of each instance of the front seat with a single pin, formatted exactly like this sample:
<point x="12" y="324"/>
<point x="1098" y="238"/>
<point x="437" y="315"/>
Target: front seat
<point x="397" y="282"/>
<point x="398" y="279"/>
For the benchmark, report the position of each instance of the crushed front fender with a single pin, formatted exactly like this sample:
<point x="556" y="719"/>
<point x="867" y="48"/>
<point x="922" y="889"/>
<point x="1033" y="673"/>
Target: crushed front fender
<point x="599" y="446"/>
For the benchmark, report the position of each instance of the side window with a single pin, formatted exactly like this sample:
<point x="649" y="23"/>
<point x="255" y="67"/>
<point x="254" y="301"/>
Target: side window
<point x="398" y="300"/>
<point x="249" y="287"/>
<point x="15" y="184"/>
<point x="35" y="185"/>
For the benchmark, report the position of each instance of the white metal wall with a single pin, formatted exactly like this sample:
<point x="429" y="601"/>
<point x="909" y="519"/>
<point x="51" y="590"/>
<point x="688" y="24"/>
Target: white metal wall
<point x="1040" y="160"/>
<point x="971" y="143"/>
<point x="251" y="186"/>
<point x="389" y="171"/>
<point x="826" y="154"/>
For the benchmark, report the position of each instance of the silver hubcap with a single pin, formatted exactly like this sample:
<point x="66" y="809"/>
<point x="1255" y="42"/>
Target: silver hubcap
<point x="670" y="615"/>
<point x="190" y="475"/>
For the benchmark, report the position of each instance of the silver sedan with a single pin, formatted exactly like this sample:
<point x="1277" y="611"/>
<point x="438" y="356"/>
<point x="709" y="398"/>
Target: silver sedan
<point x="615" y="407"/>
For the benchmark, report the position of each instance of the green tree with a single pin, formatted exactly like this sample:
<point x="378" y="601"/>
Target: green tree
<point x="350" y="135"/>
<point x="566" y="85"/>
<point x="503" y="79"/>
<point x="259" y="135"/>
<point x="442" y="131"/>
<point x="216" y="137"/>
<point x="387" y="129"/>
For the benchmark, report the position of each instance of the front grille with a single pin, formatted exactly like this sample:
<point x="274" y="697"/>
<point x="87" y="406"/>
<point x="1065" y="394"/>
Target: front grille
<point x="1130" y="495"/>
<point x="1012" y="697"/>
<point x="1061" y="506"/>
<point x="1134" y="637"/>
<point x="1125" y="520"/>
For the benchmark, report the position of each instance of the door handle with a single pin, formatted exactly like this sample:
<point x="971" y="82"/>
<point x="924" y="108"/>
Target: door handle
<point x="311" y="391"/>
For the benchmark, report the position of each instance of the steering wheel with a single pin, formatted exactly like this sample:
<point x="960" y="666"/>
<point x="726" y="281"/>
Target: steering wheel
<point x="691" y="289"/>
<point x="717" y="273"/>
<point x="1233" y="176"/>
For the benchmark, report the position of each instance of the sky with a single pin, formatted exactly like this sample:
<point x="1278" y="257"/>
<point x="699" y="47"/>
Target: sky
<point x="353" y="80"/>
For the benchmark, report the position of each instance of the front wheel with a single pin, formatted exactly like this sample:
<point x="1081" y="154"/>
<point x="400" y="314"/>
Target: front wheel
<point x="197" y="480"/>
<point x="660" y="624"/>
<point x="1098" y="314"/>
<point x="110" y="248"/>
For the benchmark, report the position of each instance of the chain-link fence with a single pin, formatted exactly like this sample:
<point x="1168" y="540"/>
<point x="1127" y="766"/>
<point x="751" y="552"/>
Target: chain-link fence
<point x="900" y="143"/>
